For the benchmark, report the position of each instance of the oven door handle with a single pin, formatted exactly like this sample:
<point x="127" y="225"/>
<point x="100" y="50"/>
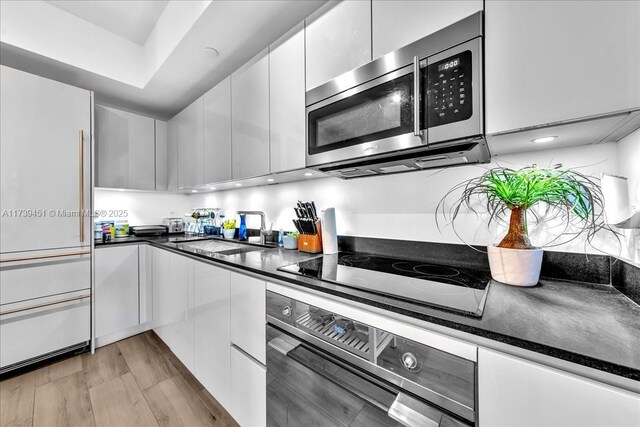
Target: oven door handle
<point x="413" y="413"/>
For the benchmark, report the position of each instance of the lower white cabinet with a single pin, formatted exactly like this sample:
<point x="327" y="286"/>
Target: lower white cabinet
<point x="116" y="289"/>
<point x="248" y="315"/>
<point x="211" y="329"/>
<point x="515" y="392"/>
<point x="248" y="403"/>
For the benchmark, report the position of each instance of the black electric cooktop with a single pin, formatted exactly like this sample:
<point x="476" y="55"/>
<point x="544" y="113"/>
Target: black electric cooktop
<point x="456" y="289"/>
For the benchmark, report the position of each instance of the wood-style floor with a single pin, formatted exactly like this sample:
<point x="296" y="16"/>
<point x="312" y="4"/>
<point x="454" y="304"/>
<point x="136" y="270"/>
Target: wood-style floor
<point x="134" y="382"/>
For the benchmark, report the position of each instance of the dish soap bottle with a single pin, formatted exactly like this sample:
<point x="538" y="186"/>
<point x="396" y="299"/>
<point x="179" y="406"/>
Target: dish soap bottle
<point x="281" y="238"/>
<point x="242" y="233"/>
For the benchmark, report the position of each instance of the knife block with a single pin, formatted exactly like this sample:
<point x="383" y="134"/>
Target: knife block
<point x="311" y="243"/>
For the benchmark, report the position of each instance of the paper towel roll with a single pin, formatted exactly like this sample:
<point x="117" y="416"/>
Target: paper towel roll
<point x="616" y="198"/>
<point x="329" y="233"/>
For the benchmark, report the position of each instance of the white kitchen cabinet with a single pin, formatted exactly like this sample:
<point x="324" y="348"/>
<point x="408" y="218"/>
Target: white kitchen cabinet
<point x="191" y="145"/>
<point x="248" y="402"/>
<point x="552" y="61"/>
<point x="248" y="315"/>
<point x="338" y="39"/>
<point x="287" y="102"/>
<point x="398" y="23"/>
<point x="172" y="154"/>
<point x="173" y="303"/>
<point x="514" y="392"/>
<point x="162" y="151"/>
<point x="211" y="329"/>
<point x="217" y="132"/>
<point x="40" y="164"/>
<point x="116" y="289"/>
<point x="125" y="149"/>
<point x="250" y="118"/>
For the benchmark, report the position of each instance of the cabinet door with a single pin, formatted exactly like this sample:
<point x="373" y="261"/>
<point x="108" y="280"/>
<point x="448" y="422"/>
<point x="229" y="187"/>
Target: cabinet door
<point x="398" y="23"/>
<point x="190" y="145"/>
<point x="248" y="403"/>
<point x="338" y="39"/>
<point x="125" y="149"/>
<point x="161" y="155"/>
<point x="40" y="165"/>
<point x="514" y="392"/>
<point x="552" y="61"/>
<point x="217" y="133"/>
<point x="287" y="102"/>
<point x="172" y="154"/>
<point x="248" y="315"/>
<point x="250" y="118"/>
<point x="211" y="329"/>
<point x="116" y="289"/>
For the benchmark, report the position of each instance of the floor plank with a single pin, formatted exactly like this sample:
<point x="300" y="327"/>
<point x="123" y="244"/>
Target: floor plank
<point x="58" y="370"/>
<point x="119" y="402"/>
<point x="63" y="402"/>
<point x="216" y="408"/>
<point x="16" y="400"/>
<point x="174" y="403"/>
<point x="106" y="364"/>
<point x="145" y="360"/>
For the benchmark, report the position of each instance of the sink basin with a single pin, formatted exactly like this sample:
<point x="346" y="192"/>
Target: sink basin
<point x="220" y="247"/>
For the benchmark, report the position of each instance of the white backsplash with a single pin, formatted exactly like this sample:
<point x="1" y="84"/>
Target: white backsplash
<point x="142" y="207"/>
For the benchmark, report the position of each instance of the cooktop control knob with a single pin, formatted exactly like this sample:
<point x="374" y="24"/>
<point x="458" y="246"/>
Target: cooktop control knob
<point x="287" y="311"/>
<point x="409" y="361"/>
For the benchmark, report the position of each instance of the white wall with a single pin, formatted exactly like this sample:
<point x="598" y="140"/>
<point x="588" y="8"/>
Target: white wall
<point x="402" y="206"/>
<point x="629" y="167"/>
<point x="144" y="208"/>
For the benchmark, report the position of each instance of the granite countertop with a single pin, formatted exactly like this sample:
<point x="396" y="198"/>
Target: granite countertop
<point x="589" y="324"/>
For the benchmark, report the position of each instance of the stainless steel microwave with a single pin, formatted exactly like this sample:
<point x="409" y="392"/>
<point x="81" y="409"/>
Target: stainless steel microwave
<point x="418" y="107"/>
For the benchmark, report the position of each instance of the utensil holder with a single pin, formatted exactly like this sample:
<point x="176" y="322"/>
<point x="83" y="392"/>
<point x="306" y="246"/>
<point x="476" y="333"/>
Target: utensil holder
<point x="311" y="243"/>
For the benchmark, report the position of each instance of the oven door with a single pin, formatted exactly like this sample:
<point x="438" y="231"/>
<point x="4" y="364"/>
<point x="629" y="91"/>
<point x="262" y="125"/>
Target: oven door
<point x="373" y="118"/>
<point x="307" y="386"/>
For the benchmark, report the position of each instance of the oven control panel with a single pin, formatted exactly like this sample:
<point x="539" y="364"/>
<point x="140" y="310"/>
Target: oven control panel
<point x="448" y="90"/>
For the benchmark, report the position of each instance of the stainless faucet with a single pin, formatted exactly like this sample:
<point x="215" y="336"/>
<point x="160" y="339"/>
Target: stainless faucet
<point x="263" y="234"/>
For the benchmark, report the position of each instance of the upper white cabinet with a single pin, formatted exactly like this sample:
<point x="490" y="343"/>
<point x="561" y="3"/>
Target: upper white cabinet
<point x="557" y="60"/>
<point x="162" y="152"/>
<point x="45" y="162"/>
<point x="172" y="154"/>
<point x="250" y="118"/>
<point x="514" y="392"/>
<point x="191" y="145"/>
<point x="398" y="23"/>
<point x="125" y="149"/>
<point x="217" y="132"/>
<point x="338" y="39"/>
<point x="287" y="102"/>
<point x="116" y="289"/>
<point x="248" y="315"/>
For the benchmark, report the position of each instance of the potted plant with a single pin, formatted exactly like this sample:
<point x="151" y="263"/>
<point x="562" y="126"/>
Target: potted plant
<point x="290" y="240"/>
<point x="529" y="194"/>
<point x="229" y="228"/>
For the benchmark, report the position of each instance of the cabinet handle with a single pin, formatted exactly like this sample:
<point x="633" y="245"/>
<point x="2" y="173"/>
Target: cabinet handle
<point x="34" y="257"/>
<point x="48" y="304"/>
<point x="416" y="96"/>
<point x="81" y="186"/>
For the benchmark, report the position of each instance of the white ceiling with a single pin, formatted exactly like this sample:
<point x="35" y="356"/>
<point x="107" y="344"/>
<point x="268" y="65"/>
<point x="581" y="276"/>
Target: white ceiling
<point x="164" y="74"/>
<point x="132" y="20"/>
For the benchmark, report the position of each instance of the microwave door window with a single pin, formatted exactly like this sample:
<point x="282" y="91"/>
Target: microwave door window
<point x="381" y="112"/>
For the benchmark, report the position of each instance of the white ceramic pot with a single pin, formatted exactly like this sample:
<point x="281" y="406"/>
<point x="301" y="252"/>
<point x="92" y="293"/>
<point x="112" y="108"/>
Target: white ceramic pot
<point x="518" y="267"/>
<point x="229" y="233"/>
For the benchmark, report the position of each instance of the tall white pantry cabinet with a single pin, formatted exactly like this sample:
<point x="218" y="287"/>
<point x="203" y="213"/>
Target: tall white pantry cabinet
<point x="45" y="167"/>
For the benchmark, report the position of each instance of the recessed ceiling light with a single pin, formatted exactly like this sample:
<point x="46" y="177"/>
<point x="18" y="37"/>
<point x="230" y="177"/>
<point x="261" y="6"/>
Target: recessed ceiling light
<point x="544" y="139"/>
<point x="209" y="51"/>
<point x="212" y="188"/>
<point x="308" y="174"/>
<point x="270" y="180"/>
<point x="238" y="185"/>
<point x="194" y="191"/>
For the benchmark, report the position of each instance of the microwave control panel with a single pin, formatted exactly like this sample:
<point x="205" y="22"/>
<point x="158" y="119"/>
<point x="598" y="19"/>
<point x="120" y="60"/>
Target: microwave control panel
<point x="448" y="90"/>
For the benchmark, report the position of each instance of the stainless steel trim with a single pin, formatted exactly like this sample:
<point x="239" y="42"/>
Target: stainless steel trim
<point x="36" y="257"/>
<point x="36" y="359"/>
<point x="65" y="301"/>
<point x="416" y="97"/>
<point x="393" y="378"/>
<point x="412" y="413"/>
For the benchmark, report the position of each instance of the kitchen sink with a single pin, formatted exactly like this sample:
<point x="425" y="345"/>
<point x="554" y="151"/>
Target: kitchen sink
<point x="219" y="247"/>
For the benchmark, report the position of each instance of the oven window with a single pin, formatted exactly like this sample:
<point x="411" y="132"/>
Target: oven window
<point x="381" y="112"/>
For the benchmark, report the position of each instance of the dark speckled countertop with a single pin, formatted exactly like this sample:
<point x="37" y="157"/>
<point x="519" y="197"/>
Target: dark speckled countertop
<point x="593" y="325"/>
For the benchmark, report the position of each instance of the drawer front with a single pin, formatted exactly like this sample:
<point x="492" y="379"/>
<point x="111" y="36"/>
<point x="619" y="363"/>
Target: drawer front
<point x="52" y="326"/>
<point x="36" y="280"/>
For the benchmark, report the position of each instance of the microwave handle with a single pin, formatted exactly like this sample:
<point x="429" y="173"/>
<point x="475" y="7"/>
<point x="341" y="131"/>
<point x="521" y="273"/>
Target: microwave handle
<point x="416" y="96"/>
